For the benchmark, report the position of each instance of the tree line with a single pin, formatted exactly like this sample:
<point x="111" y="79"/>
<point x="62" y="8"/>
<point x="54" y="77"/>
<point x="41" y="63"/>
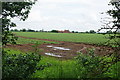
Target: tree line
<point x="27" y="30"/>
<point x="56" y="31"/>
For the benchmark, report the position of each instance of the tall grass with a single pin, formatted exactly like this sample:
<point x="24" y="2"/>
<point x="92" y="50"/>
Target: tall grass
<point x="57" y="68"/>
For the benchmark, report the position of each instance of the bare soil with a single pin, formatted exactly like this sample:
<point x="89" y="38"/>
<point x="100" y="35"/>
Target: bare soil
<point x="66" y="54"/>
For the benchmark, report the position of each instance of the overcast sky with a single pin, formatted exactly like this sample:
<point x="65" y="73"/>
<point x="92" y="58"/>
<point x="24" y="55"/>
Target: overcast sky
<point x="73" y="15"/>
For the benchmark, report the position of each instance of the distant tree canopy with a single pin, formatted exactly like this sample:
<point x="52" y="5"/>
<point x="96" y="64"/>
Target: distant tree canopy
<point x="109" y="32"/>
<point x="55" y="31"/>
<point x="12" y="10"/>
<point x="30" y="30"/>
<point x="23" y="30"/>
<point x="92" y="31"/>
<point x="73" y="31"/>
<point x="16" y="30"/>
<point x="86" y="32"/>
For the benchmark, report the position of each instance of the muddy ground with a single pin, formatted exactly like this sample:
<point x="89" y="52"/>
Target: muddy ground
<point x="65" y="54"/>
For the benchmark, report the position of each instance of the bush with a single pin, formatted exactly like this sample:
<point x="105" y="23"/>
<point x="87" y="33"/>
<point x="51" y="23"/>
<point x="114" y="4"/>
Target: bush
<point x="93" y="66"/>
<point x="19" y="66"/>
<point x="89" y="64"/>
<point x="113" y="71"/>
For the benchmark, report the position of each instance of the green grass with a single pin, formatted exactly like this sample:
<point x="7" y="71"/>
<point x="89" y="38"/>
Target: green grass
<point x="64" y="68"/>
<point x="58" y="68"/>
<point x="114" y="71"/>
<point x="70" y="37"/>
<point x="13" y="51"/>
<point x="32" y="41"/>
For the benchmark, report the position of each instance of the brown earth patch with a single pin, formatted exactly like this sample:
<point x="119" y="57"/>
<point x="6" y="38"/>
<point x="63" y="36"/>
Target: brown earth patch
<point x="66" y="54"/>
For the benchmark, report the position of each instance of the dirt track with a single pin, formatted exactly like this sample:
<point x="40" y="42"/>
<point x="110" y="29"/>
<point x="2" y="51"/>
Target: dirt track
<point x="66" y="54"/>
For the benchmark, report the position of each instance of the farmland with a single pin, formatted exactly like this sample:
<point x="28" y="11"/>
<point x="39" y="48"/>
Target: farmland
<point x="64" y="68"/>
<point x="31" y="41"/>
<point x="70" y="37"/>
<point x="61" y="52"/>
<point x="57" y="69"/>
<point x="68" y="46"/>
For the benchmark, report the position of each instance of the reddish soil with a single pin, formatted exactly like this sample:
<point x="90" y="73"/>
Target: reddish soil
<point x="66" y="54"/>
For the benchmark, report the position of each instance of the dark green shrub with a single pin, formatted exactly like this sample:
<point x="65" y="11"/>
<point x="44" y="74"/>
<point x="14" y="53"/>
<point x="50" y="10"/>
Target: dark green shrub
<point x="19" y="66"/>
<point x="113" y="71"/>
<point x="93" y="66"/>
<point x="88" y="63"/>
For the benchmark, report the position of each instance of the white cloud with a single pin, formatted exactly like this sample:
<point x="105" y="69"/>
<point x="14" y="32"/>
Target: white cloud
<point x="78" y="15"/>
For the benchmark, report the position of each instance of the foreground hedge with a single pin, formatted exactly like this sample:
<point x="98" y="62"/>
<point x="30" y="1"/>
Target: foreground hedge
<point x="19" y="65"/>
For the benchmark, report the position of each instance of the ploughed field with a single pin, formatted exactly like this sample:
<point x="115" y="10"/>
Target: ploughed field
<point x="62" y="45"/>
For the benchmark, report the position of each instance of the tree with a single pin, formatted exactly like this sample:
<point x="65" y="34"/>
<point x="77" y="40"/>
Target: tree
<point x="30" y="30"/>
<point x="16" y="66"/>
<point x="92" y="31"/>
<point x="114" y="21"/>
<point x="11" y="30"/>
<point x="86" y="32"/>
<point x="109" y="32"/>
<point x="16" y="30"/>
<point x="100" y="65"/>
<point x="12" y="10"/>
<point x="73" y="31"/>
<point x="55" y="31"/>
<point x="23" y="30"/>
